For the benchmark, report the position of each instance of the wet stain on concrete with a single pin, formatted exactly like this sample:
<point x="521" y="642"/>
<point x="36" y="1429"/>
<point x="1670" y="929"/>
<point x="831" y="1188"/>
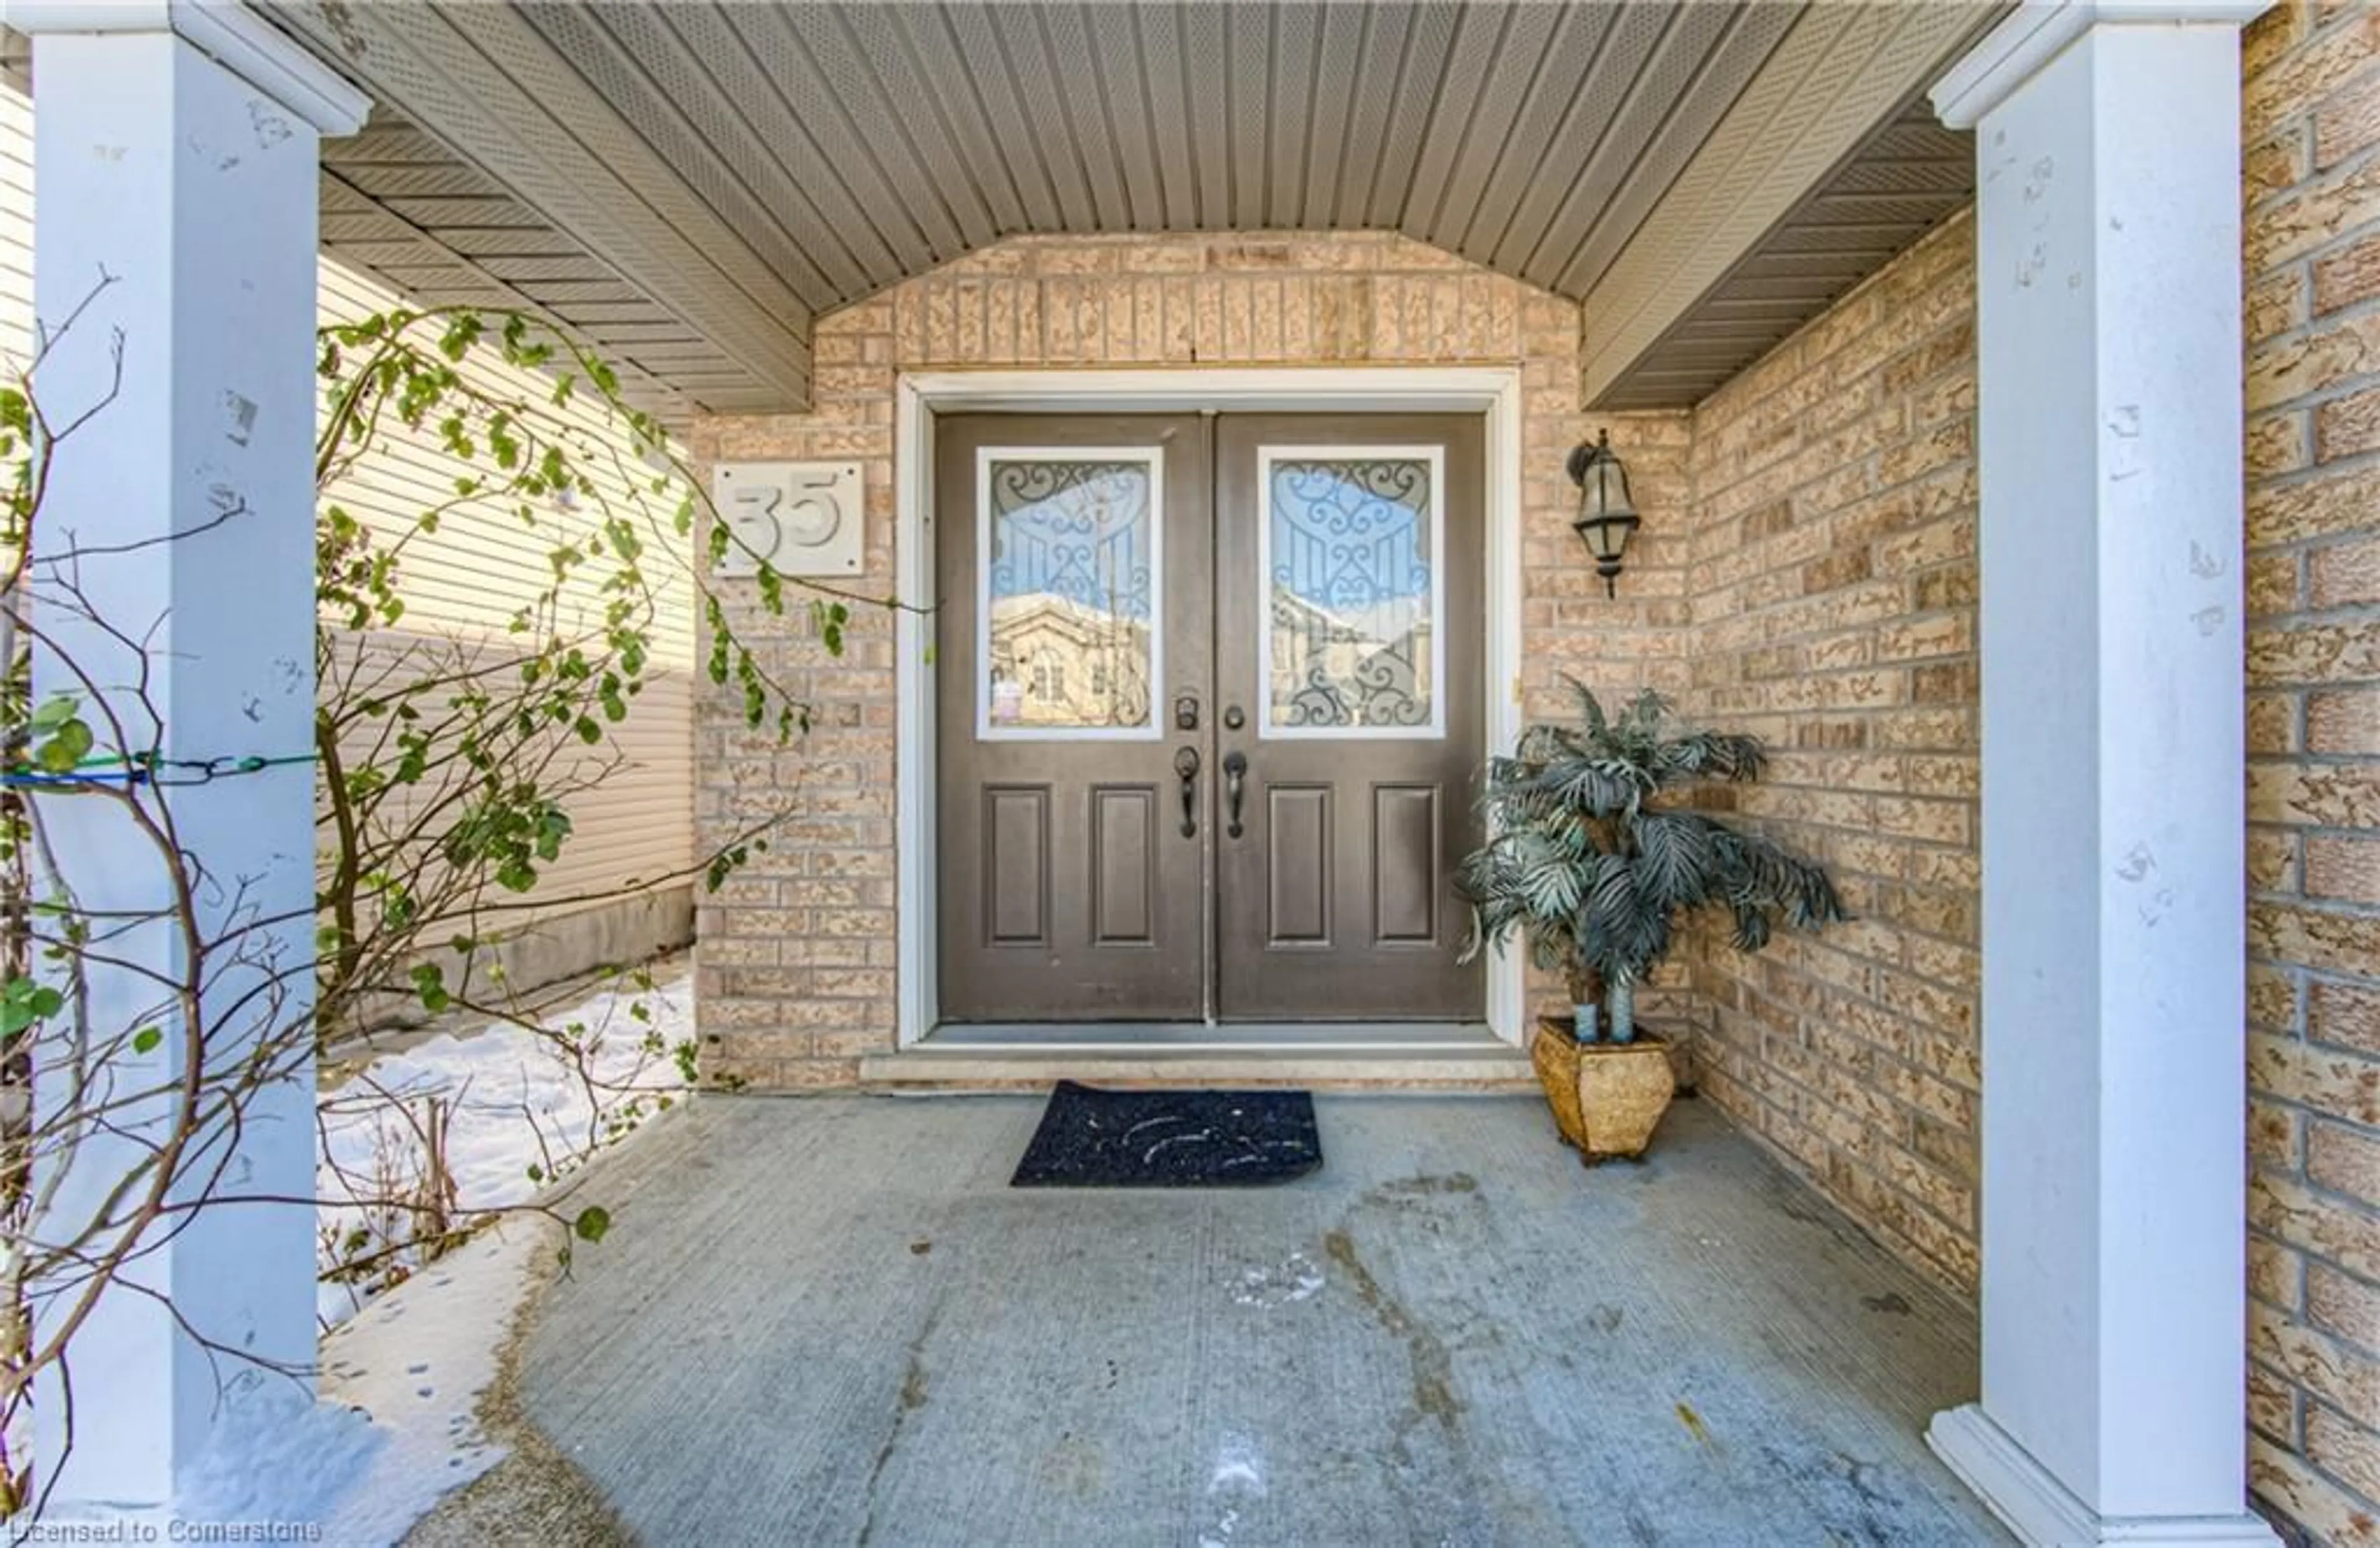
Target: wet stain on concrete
<point x="1433" y="1368"/>
<point x="1854" y="1493"/>
<point x="1891" y="1303"/>
<point x="1428" y="1466"/>
<point x="1076" y="1466"/>
<point x="1792" y="1199"/>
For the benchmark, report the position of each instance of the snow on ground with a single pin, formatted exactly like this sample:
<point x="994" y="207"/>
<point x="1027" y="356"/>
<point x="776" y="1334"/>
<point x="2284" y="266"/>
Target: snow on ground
<point x="397" y="1426"/>
<point x="1295" y="1278"/>
<point x="406" y="1362"/>
<point x="417" y="1362"/>
<point x="275" y="1457"/>
<point x="517" y="1110"/>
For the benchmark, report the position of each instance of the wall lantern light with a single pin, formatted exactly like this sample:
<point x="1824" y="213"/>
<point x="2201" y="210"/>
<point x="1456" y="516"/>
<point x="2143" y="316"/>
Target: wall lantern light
<point x="1607" y="516"/>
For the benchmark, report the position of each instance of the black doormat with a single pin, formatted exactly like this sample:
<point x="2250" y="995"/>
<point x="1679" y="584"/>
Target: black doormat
<point x="1090" y="1138"/>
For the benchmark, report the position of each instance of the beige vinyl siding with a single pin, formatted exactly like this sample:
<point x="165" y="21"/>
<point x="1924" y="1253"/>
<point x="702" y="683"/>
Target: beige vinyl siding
<point x="487" y="562"/>
<point x="482" y="564"/>
<point x="16" y="223"/>
<point x="467" y="581"/>
<point x="636" y="825"/>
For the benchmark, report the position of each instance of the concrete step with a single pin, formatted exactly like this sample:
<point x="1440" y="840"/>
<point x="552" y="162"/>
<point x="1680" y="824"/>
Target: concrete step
<point x="1476" y="1069"/>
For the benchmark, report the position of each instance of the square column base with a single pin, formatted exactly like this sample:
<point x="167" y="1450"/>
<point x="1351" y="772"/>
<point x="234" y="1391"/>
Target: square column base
<point x="2045" y="1513"/>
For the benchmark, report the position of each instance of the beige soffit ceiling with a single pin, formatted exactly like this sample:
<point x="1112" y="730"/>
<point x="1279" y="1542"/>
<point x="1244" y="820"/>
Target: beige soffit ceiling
<point x="383" y="185"/>
<point x="1902" y="182"/>
<point x="1825" y="135"/>
<point x="693" y="183"/>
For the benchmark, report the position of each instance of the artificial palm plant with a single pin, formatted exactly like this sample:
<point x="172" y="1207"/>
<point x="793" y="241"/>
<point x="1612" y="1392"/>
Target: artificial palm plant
<point x="1593" y="867"/>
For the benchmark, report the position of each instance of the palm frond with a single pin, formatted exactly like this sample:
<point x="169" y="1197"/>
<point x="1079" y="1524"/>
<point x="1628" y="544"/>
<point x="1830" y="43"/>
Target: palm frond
<point x="1712" y="755"/>
<point x="1676" y="857"/>
<point x="1590" y="708"/>
<point x="1751" y="929"/>
<point x="1594" y="871"/>
<point x="1593" y="786"/>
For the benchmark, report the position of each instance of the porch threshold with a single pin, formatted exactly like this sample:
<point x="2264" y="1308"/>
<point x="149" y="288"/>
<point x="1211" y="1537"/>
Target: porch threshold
<point x="1329" y="1056"/>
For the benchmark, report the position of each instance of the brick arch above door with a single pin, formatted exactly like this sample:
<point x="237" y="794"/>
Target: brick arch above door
<point x="798" y="979"/>
<point x="1205" y="298"/>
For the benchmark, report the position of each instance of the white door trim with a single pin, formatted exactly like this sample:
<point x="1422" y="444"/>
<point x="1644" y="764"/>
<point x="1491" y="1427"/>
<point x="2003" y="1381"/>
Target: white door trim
<point x="1494" y="391"/>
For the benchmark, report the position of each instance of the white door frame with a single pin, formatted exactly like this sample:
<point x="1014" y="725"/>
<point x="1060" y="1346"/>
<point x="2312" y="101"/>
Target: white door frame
<point x="1494" y="391"/>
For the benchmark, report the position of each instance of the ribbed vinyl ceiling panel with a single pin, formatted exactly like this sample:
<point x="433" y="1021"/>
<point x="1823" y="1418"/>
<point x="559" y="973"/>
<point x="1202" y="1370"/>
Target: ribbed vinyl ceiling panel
<point x="694" y="182"/>
<point x="392" y="185"/>
<point x="1906" y="178"/>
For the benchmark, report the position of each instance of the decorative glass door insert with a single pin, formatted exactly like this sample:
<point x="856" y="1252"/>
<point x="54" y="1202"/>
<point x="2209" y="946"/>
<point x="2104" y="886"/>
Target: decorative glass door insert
<point x="1072" y="547"/>
<point x="1349" y="544"/>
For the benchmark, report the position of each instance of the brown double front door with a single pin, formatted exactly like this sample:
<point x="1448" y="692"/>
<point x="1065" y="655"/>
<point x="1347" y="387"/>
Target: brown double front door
<point x="1209" y="716"/>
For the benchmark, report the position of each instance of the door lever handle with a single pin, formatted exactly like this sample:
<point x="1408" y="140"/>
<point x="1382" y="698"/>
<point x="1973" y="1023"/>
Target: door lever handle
<point x="1236" y="768"/>
<point x="1185" y="768"/>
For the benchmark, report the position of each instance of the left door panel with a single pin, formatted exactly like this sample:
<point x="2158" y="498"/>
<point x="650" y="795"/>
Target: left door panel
<point x="1073" y="566"/>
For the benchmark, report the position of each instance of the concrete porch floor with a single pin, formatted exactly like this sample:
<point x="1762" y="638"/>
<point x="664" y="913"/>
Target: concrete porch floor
<point x="830" y="1321"/>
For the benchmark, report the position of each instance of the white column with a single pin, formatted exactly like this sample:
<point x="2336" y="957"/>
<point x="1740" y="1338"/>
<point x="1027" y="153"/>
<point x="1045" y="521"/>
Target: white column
<point x="174" y="151"/>
<point x="2108" y="271"/>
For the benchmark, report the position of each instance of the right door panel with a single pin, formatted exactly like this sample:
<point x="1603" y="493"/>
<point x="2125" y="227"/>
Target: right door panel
<point x="1348" y="581"/>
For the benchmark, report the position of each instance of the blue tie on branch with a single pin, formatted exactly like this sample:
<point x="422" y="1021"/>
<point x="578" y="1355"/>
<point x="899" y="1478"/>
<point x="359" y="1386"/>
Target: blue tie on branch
<point x="146" y="768"/>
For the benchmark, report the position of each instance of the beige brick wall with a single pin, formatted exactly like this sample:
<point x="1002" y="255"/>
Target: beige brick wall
<point x="797" y="959"/>
<point x="1833" y="584"/>
<point x="2311" y="131"/>
<point x="1834" y="613"/>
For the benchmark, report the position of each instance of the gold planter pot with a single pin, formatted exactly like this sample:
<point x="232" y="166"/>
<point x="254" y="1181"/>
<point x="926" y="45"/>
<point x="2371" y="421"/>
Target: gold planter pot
<point x="1608" y="1098"/>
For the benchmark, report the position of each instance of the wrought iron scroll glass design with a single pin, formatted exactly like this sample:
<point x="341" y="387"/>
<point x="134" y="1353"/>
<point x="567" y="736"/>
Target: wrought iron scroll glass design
<point x="1350" y="540"/>
<point x="1068" y="549"/>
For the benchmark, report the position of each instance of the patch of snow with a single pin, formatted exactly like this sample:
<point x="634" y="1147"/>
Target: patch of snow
<point x="417" y="1362"/>
<point x="396" y="1426"/>
<point x="1239" y="1466"/>
<point x="277" y="1456"/>
<point x="510" y="1101"/>
<point x="404" y="1367"/>
<point x="1295" y="1278"/>
<point x="1238" y="1473"/>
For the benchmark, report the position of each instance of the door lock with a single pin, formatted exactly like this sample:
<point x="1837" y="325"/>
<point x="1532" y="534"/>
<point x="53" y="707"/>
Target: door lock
<point x="1234" y="717"/>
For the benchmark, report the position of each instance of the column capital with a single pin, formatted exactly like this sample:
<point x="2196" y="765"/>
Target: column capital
<point x="225" y="30"/>
<point x="2039" y="30"/>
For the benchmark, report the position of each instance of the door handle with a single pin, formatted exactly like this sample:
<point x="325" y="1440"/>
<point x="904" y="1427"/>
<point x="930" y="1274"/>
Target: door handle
<point x="1236" y="768"/>
<point x="1185" y="768"/>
